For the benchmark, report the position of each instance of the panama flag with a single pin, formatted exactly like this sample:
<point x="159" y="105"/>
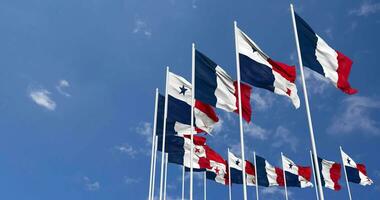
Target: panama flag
<point x="179" y="150"/>
<point x="330" y="173"/>
<point x="179" y="103"/>
<point x="320" y="57"/>
<point x="218" y="167"/>
<point x="295" y="175"/>
<point x="267" y="175"/>
<point x="356" y="173"/>
<point x="258" y="70"/>
<point x="236" y="168"/>
<point x="215" y="87"/>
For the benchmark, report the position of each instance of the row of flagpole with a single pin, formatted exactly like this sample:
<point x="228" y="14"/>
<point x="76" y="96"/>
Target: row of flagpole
<point x="313" y="152"/>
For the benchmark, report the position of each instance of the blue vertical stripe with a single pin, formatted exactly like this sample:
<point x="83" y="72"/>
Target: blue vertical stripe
<point x="320" y="170"/>
<point x="308" y="44"/>
<point x="262" y="177"/>
<point x="205" y="79"/>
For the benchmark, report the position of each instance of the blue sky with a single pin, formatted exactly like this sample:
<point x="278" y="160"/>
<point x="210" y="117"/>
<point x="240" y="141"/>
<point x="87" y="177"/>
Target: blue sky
<point x="77" y="91"/>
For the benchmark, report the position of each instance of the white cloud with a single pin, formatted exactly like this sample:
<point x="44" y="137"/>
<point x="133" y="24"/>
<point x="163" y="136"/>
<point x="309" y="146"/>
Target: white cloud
<point x="256" y="131"/>
<point x="129" y="180"/>
<point x="218" y="127"/>
<point x="274" y="191"/>
<point x="355" y="114"/>
<point x="41" y="97"/>
<point x="315" y="82"/>
<point x="142" y="28"/>
<point x="262" y="100"/>
<point x="283" y="137"/>
<point x="91" y="185"/>
<point x="62" y="84"/>
<point x="194" y="4"/>
<point x="329" y="33"/>
<point x="145" y="129"/>
<point x="366" y="8"/>
<point x="127" y="149"/>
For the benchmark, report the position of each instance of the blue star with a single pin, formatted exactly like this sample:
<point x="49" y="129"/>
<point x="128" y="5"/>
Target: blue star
<point x="290" y="165"/>
<point x="183" y="90"/>
<point x="237" y="162"/>
<point x="349" y="161"/>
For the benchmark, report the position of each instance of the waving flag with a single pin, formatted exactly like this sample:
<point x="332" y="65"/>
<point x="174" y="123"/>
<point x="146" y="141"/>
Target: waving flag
<point x="267" y="175"/>
<point x="330" y="173"/>
<point x="296" y="176"/>
<point x="215" y="87"/>
<point x="179" y="150"/>
<point x="236" y="168"/>
<point x="179" y="110"/>
<point x="356" y="173"/>
<point x="320" y="57"/>
<point x="218" y="167"/>
<point x="257" y="69"/>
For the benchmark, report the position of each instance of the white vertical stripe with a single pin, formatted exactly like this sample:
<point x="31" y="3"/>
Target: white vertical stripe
<point x="328" y="58"/>
<point x="326" y="166"/>
<point x="271" y="174"/>
<point x="225" y="91"/>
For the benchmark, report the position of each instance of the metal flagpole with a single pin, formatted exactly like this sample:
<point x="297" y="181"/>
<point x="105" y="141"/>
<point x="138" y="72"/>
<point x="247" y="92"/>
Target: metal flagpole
<point x="166" y="173"/>
<point x="345" y="173"/>
<point x="204" y="186"/>
<point x="313" y="146"/>
<point x="183" y="182"/>
<point x="154" y="166"/>
<point x="240" y="113"/>
<point x="192" y="117"/>
<point x="153" y="143"/>
<point x="315" y="178"/>
<point x="283" y="168"/>
<point x="229" y="175"/>
<point x="164" y="133"/>
<point x="256" y="178"/>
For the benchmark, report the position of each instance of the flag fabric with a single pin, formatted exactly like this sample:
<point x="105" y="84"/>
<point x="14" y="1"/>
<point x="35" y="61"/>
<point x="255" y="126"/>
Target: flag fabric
<point x="296" y="175"/>
<point x="258" y="70"/>
<point x="330" y="172"/>
<point x="218" y="167"/>
<point x="179" y="110"/>
<point x="215" y="87"/>
<point x="179" y="150"/>
<point x="356" y="173"/>
<point x="321" y="58"/>
<point x="236" y="168"/>
<point x="268" y="175"/>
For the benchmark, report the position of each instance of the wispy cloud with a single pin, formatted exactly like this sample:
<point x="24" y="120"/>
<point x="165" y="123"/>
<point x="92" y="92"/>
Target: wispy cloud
<point x="42" y="98"/>
<point x="274" y="191"/>
<point x="91" y="185"/>
<point x="194" y="4"/>
<point x="316" y="83"/>
<point x="355" y="114"/>
<point x="130" y="180"/>
<point x="283" y="137"/>
<point x="256" y="131"/>
<point x="141" y="27"/>
<point x="366" y="8"/>
<point x="262" y="100"/>
<point x="145" y="129"/>
<point x="127" y="149"/>
<point x="62" y="85"/>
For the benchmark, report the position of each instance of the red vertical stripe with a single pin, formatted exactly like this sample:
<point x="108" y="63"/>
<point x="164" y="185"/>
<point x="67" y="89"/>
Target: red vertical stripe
<point x="344" y="68"/>
<point x="245" y="100"/>
<point x="335" y="175"/>
<point x="280" y="176"/>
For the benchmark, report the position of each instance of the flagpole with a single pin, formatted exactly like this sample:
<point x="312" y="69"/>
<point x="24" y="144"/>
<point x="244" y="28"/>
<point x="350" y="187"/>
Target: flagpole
<point x="315" y="178"/>
<point x="240" y="113"/>
<point x="166" y="173"/>
<point x="164" y="133"/>
<point x="153" y="143"/>
<point x="283" y="170"/>
<point x="256" y="178"/>
<point x="192" y="117"/>
<point x="345" y="173"/>
<point x="313" y="145"/>
<point x="204" y="186"/>
<point x="154" y="165"/>
<point x="183" y="182"/>
<point x="229" y="174"/>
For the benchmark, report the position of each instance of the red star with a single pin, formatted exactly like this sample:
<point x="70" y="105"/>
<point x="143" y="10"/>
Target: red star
<point x="217" y="170"/>
<point x="197" y="150"/>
